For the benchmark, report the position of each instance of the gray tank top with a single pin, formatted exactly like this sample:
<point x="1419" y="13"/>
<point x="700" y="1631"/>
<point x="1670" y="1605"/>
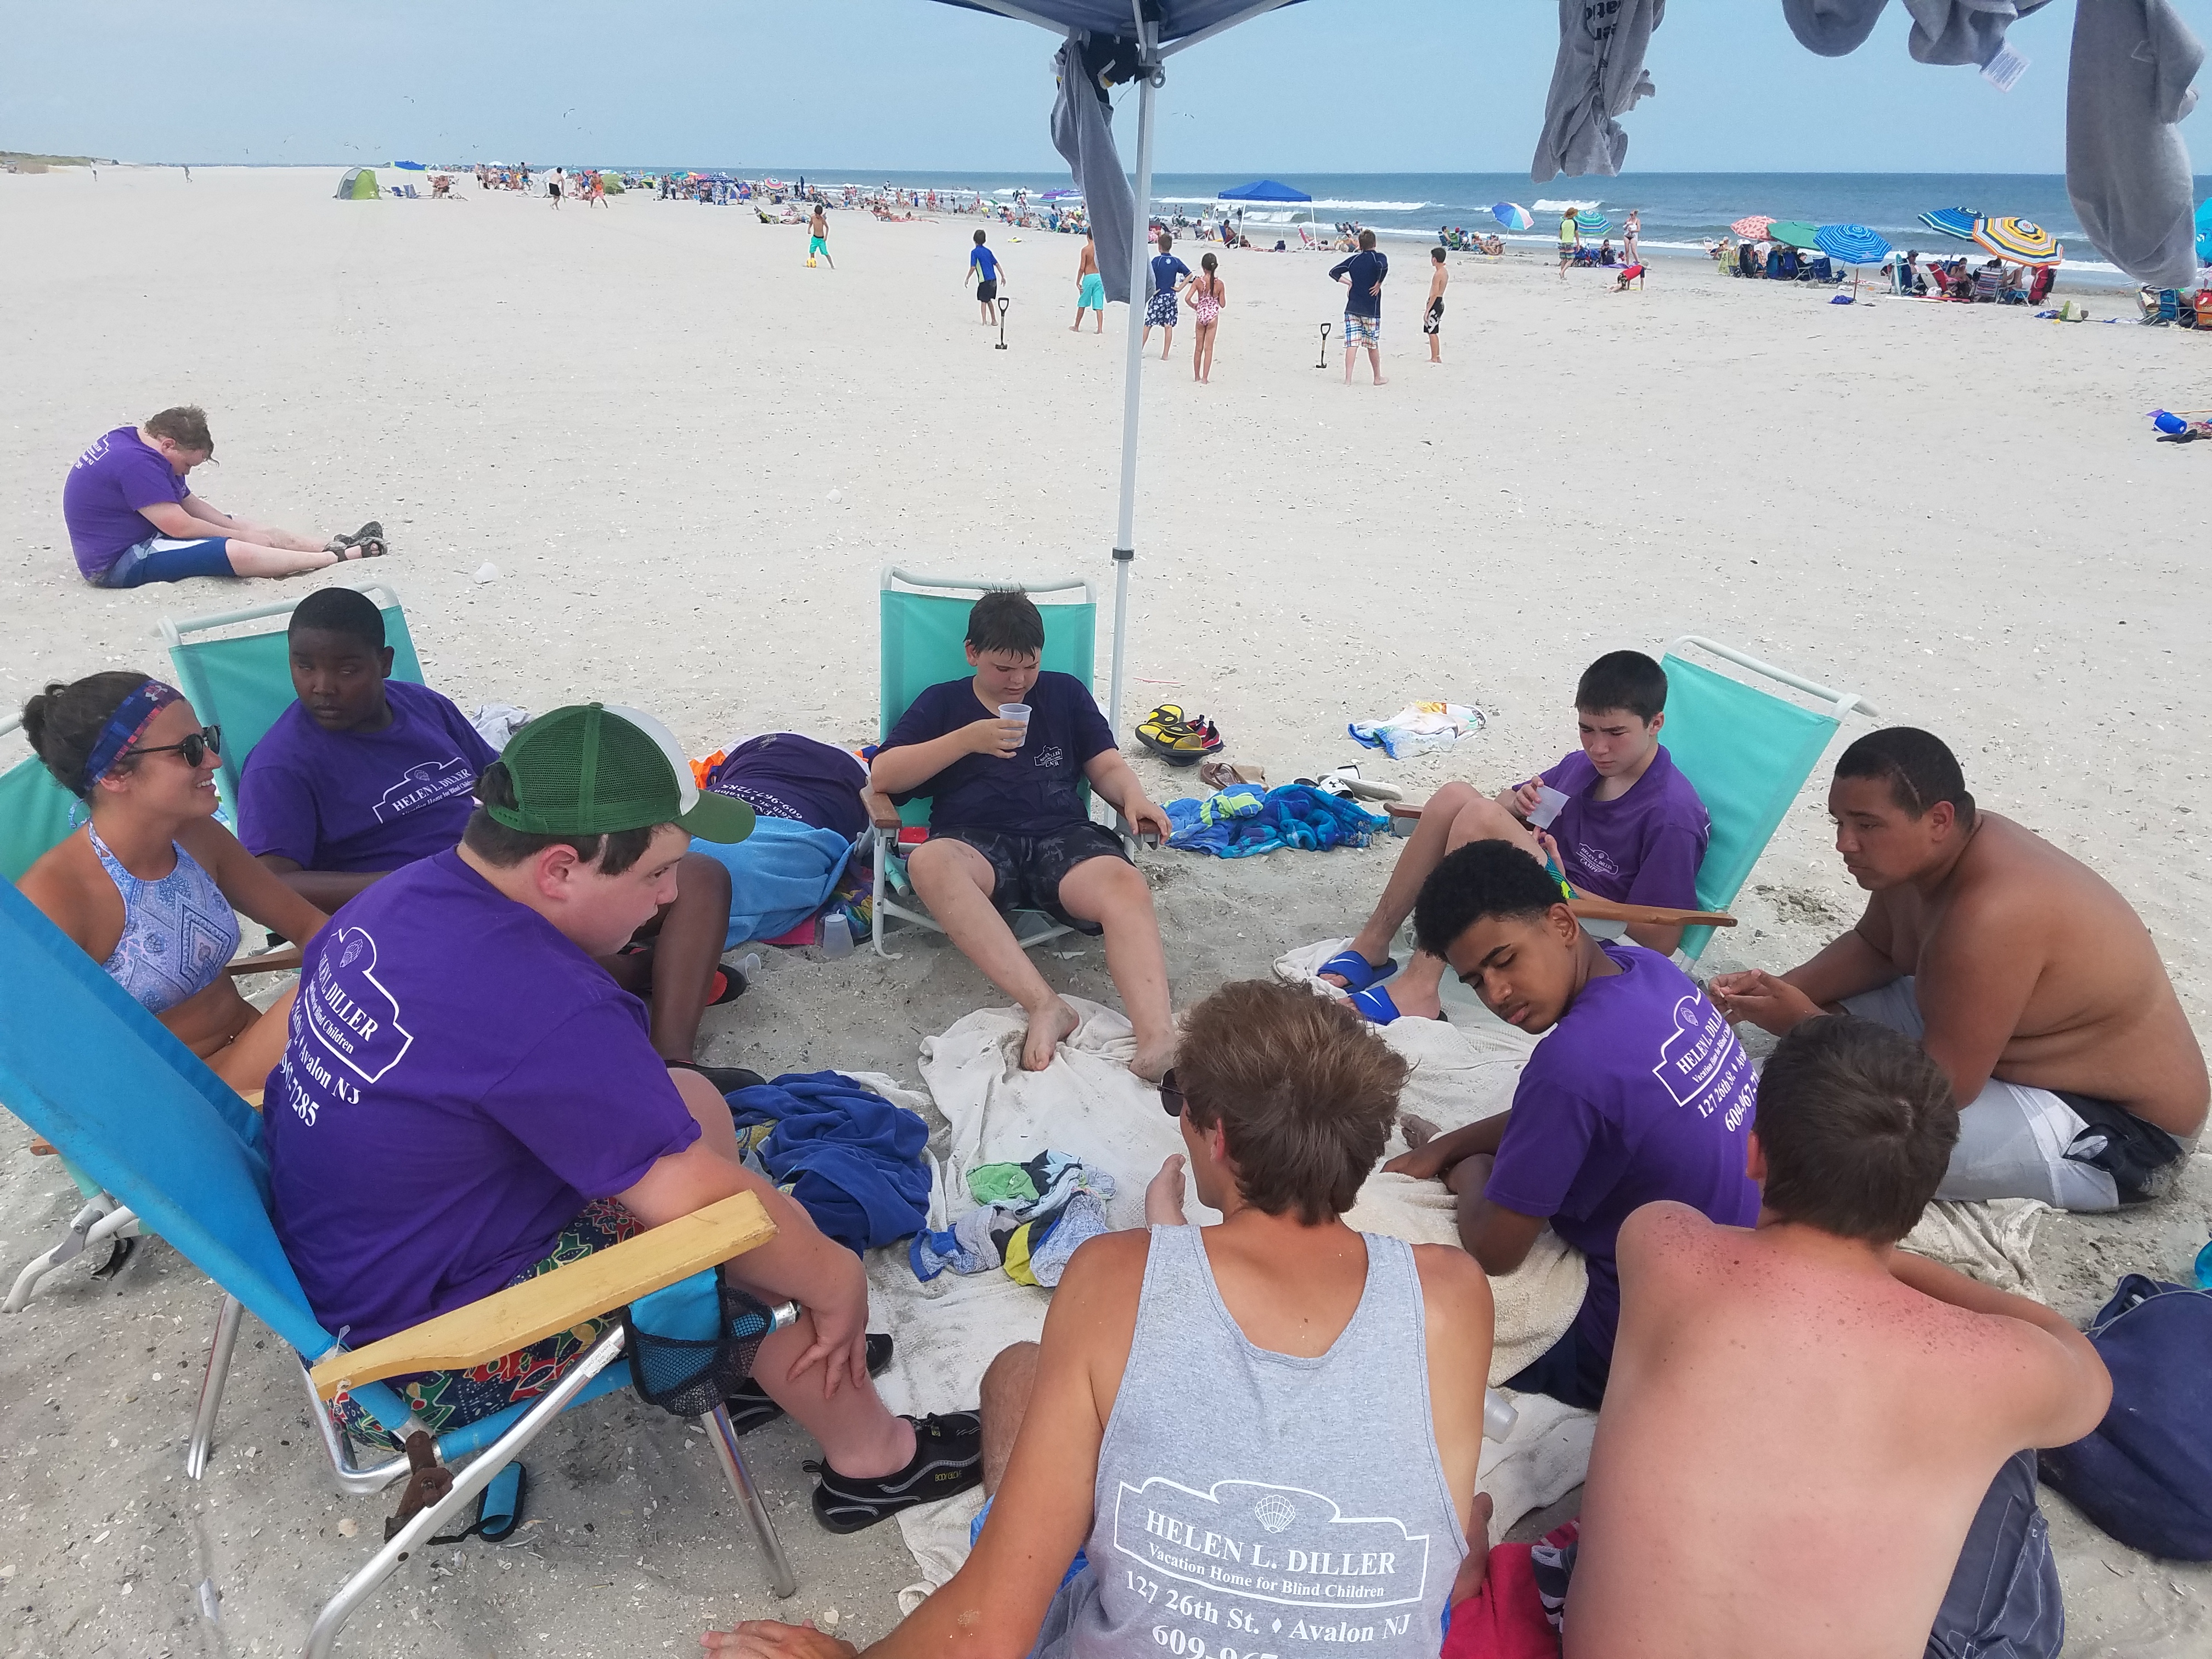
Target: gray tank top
<point x="1257" y="1505"/>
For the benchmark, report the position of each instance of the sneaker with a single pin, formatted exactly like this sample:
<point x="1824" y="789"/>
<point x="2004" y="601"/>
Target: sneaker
<point x="750" y="1407"/>
<point x="948" y="1459"/>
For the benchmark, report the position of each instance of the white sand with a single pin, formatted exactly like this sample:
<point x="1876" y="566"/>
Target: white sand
<point x="639" y="414"/>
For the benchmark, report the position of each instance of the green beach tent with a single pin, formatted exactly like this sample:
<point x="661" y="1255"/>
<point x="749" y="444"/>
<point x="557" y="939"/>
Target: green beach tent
<point x="612" y="186"/>
<point x="359" y="184"/>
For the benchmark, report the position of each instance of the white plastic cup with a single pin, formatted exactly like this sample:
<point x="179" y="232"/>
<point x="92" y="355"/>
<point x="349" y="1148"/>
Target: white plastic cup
<point x="1017" y="711"/>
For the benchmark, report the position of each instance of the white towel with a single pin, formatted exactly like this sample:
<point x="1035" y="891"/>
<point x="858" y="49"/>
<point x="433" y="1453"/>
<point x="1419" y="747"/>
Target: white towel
<point x="1986" y="1240"/>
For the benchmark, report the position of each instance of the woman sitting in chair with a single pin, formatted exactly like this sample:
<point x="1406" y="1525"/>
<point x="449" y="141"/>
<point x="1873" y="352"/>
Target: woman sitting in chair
<point x="148" y="888"/>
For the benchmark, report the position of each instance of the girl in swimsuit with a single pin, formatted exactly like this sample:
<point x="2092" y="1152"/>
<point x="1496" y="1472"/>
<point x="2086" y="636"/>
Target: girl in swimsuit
<point x="1206" y="294"/>
<point x="148" y="888"/>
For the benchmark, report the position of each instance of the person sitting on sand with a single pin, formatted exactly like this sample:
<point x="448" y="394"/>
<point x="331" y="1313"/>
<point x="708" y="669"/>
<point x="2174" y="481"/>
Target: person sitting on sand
<point x="460" y="1040"/>
<point x="132" y="518"/>
<point x="2029" y="980"/>
<point x="1638" y="1091"/>
<point x="1844" y="1428"/>
<point x="363" y="774"/>
<point x="1273" y="1392"/>
<point x="1631" y="828"/>
<point x="1008" y="827"/>
<point x="150" y="886"/>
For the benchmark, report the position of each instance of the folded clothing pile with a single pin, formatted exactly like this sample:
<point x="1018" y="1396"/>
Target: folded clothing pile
<point x="1029" y="1218"/>
<point x="1244" y="821"/>
<point x="851" y="1158"/>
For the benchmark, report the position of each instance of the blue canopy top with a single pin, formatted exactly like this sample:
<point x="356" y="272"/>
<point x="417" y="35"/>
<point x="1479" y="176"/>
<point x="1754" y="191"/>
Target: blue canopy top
<point x="1175" y="18"/>
<point x="1263" y="189"/>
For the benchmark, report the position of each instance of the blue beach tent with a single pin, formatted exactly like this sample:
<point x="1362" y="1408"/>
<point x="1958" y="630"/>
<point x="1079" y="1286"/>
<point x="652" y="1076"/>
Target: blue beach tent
<point x="1263" y="189"/>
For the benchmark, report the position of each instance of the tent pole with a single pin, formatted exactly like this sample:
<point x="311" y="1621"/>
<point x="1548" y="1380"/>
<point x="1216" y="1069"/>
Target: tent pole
<point x="1124" y="534"/>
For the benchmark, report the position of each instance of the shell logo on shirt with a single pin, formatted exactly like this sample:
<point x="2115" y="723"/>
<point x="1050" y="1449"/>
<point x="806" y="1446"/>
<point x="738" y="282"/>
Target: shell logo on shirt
<point x="352" y="1018"/>
<point x="1701" y="1063"/>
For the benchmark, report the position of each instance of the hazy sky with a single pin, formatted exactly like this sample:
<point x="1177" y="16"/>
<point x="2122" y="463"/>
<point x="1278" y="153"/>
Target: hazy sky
<point x="871" y="85"/>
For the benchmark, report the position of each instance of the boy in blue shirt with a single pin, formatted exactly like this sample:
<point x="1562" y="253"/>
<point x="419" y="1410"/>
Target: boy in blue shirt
<point x="983" y="265"/>
<point x="1007" y="827"/>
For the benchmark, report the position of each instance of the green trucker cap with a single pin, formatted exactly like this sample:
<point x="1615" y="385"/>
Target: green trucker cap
<point x="593" y="769"/>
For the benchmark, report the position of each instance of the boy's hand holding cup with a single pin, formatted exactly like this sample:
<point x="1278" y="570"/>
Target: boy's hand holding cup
<point x="1004" y="736"/>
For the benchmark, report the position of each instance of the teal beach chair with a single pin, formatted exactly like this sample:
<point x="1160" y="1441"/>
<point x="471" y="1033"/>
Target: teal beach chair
<point x="100" y="1077"/>
<point x="242" y="682"/>
<point x="922" y="640"/>
<point x="36" y="814"/>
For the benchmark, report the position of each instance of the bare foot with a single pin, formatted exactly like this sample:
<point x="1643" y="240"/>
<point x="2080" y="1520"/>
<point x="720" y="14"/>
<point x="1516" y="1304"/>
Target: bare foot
<point x="1419" y="1131"/>
<point x="1379" y="380"/>
<point x="1429" y="1008"/>
<point x="1048" y="1028"/>
<point x="1153" y="1059"/>
<point x="1164" y="1196"/>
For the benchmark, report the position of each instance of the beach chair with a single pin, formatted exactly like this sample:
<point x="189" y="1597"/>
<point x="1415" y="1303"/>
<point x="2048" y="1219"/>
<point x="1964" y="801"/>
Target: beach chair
<point x="1748" y="752"/>
<point x="98" y="1076"/>
<point x="242" y="682"/>
<point x="1985" y="286"/>
<point x="921" y="641"/>
<point x="2167" y="308"/>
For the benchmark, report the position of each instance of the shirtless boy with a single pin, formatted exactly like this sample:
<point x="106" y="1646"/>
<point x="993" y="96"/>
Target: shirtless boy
<point x="2024" y="975"/>
<point x="1212" y="1404"/>
<point x="1432" y="314"/>
<point x="1821" y="1421"/>
<point x="1089" y="287"/>
<point x="1630" y="828"/>
<point x="817" y="237"/>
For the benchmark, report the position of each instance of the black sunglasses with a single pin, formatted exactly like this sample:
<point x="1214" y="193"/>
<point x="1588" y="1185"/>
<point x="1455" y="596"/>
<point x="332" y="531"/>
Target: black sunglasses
<point x="1172" y="1101"/>
<point x="207" y="740"/>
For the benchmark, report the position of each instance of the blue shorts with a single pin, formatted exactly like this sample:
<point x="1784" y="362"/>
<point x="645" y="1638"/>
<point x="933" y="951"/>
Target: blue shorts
<point x="162" y="559"/>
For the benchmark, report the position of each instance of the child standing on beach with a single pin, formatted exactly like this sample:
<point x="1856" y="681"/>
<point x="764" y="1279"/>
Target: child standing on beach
<point x="983" y="267"/>
<point x="1571" y="238"/>
<point x="1206" y="294"/>
<point x="1168" y="274"/>
<point x="1089" y="287"/>
<point x="1363" y="273"/>
<point x="818" y="238"/>
<point x="1432" y="319"/>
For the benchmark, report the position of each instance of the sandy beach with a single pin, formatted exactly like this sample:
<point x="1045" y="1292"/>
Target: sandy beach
<point x="688" y="457"/>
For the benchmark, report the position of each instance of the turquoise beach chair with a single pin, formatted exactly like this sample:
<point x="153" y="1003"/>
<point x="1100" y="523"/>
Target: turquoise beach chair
<point x="102" y="1079"/>
<point x="242" y="682"/>
<point x="922" y="641"/>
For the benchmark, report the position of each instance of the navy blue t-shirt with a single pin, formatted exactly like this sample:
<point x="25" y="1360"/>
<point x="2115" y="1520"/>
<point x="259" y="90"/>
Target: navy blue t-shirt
<point x="782" y="774"/>
<point x="1165" y="268"/>
<point x="1032" y="791"/>
<point x="1367" y="268"/>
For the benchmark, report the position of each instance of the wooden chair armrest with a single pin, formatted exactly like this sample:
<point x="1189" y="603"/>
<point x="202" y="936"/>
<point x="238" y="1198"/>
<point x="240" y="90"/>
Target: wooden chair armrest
<point x="882" y="814"/>
<point x="513" y="1318"/>
<point x="1656" y="915"/>
<point x="282" y="961"/>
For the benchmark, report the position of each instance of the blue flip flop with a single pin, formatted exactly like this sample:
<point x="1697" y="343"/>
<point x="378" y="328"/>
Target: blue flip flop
<point x="1375" y="1002"/>
<point x="1358" y="972"/>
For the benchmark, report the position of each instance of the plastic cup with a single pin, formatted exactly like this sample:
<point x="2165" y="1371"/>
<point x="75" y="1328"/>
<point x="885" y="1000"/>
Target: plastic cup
<point x="1016" y="711"/>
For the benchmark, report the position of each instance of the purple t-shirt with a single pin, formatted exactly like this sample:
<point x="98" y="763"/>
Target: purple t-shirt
<point x="1640" y="1092"/>
<point x="459" y="1081"/>
<point x="356" y="801"/>
<point x="1032" y="791"/>
<point x="1642" y="848"/>
<point x="781" y="775"/>
<point x="105" y="489"/>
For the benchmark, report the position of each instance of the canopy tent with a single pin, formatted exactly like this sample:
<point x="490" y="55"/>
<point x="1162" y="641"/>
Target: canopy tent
<point x="359" y="184"/>
<point x="412" y="167"/>
<point x="1263" y="189"/>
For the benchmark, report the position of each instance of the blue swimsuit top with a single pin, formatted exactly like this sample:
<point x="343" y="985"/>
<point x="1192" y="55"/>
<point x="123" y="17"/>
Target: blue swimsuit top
<point x="178" y="932"/>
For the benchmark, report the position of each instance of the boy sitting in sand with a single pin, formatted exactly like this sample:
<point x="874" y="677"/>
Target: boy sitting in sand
<point x="364" y="775"/>
<point x="1640" y="1092"/>
<point x="1276" y="1392"/>
<point x="1008" y="829"/>
<point x="1821" y="1415"/>
<point x="1630" y="828"/>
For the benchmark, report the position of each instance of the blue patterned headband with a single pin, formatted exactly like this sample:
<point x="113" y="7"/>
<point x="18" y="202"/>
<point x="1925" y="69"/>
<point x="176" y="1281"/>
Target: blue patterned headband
<point x="123" y="728"/>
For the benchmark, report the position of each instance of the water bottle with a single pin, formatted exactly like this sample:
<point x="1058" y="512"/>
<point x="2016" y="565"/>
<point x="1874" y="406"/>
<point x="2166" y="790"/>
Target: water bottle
<point x="2204" y="1268"/>
<point x="1498" y="1414"/>
<point x="836" y="935"/>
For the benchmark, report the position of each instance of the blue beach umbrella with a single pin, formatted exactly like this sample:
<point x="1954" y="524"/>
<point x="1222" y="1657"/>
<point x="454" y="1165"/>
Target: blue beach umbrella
<point x="1590" y="219"/>
<point x="1952" y="222"/>
<point x="2205" y="233"/>
<point x="1512" y="216"/>
<point x="1853" y="245"/>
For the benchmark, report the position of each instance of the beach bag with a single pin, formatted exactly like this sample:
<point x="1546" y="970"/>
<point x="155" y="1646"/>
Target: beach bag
<point x="2145" y="1475"/>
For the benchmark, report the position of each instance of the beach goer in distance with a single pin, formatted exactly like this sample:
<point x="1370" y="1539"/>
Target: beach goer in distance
<point x="1168" y="273"/>
<point x="1362" y="275"/>
<point x="1630" y="828"/>
<point x="1882" y="1408"/>
<point x="363" y="774"/>
<point x="1008" y="829"/>
<point x="151" y="886"/>
<point x="1605" y="251"/>
<point x="1571" y="238"/>
<point x="557" y="186"/>
<point x="1638" y="1091"/>
<point x="2029" y="980"/>
<point x="983" y="267"/>
<point x="133" y="519"/>
<point x="1291" y="1317"/>
<point x="1432" y="316"/>
<point x="461" y="1040"/>
<point x="1207" y="295"/>
<point x="1089" y="287"/>
<point x="1633" y="235"/>
<point x="817" y="237"/>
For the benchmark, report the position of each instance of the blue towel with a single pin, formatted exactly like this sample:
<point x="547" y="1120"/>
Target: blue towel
<point x="849" y="1155"/>
<point x="1294" y="815"/>
<point x="780" y="875"/>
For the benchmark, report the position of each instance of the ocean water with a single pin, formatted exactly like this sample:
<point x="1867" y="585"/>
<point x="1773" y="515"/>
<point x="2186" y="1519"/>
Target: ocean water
<point x="1680" y="210"/>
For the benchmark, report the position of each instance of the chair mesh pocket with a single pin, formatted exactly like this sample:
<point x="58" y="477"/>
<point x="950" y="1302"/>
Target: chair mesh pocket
<point x="688" y="1377"/>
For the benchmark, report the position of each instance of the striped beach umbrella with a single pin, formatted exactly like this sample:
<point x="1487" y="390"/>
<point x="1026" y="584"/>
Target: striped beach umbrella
<point x="1591" y="219"/>
<point x="1512" y="216"/>
<point x="1752" y="226"/>
<point x="1952" y="222"/>
<point x="2021" y="240"/>
<point x="1853" y="245"/>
